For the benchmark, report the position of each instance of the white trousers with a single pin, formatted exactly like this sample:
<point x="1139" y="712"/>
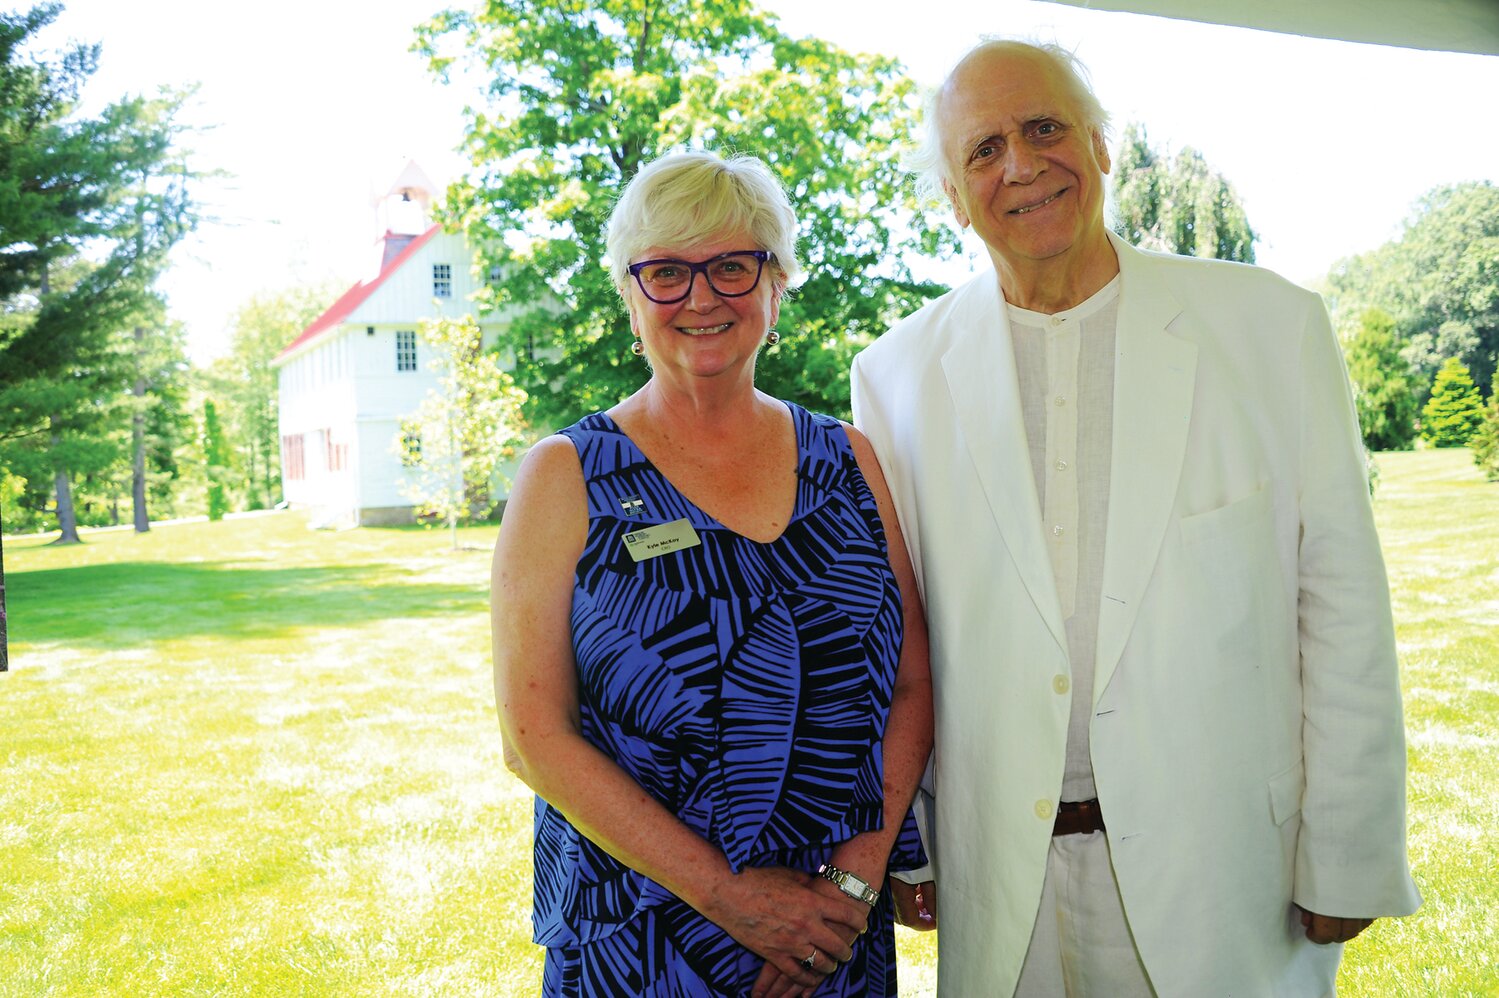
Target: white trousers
<point x="1081" y="946"/>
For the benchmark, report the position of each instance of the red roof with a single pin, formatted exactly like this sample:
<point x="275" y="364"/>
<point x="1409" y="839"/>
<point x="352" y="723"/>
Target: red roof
<point x="356" y="296"/>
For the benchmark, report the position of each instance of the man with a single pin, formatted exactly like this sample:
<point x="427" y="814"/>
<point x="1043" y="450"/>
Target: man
<point x="1169" y="755"/>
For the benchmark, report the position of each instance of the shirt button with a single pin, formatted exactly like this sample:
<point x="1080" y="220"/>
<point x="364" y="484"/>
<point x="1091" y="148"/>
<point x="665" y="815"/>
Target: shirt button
<point x="1061" y="465"/>
<point x="1057" y="320"/>
<point x="1060" y="684"/>
<point x="1056" y="531"/>
<point x="1043" y="810"/>
<point x="1060" y="400"/>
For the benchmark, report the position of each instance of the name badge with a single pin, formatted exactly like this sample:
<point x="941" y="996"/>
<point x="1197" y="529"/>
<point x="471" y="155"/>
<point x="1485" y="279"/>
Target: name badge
<point x="653" y="542"/>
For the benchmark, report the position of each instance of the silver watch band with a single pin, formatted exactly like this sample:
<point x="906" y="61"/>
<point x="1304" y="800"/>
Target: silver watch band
<point x="851" y="884"/>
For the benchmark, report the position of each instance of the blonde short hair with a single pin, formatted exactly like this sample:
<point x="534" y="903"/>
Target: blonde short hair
<point x="689" y="197"/>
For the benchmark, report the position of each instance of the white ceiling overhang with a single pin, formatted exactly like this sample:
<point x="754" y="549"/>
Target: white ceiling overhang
<point x="1442" y="25"/>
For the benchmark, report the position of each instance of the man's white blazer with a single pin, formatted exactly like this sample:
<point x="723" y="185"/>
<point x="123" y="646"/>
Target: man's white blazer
<point x="1246" y="737"/>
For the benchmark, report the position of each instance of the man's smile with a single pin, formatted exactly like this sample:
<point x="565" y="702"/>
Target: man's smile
<point x="1039" y="204"/>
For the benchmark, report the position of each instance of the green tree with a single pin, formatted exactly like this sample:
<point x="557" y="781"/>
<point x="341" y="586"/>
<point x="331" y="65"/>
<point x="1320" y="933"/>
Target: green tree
<point x="1485" y="442"/>
<point x="1453" y="413"/>
<point x="576" y="97"/>
<point x="466" y="427"/>
<point x="74" y="415"/>
<point x="1384" y="389"/>
<point x="1182" y="206"/>
<point x="215" y="457"/>
<point x="89" y="208"/>
<point x="113" y="186"/>
<point x="1439" y="281"/>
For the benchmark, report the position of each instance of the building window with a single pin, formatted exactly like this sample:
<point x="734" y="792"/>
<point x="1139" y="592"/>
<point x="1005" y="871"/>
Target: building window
<point x="338" y="454"/>
<point x="442" y="280"/>
<point x="495" y="276"/>
<point x="405" y="350"/>
<point x="292" y="458"/>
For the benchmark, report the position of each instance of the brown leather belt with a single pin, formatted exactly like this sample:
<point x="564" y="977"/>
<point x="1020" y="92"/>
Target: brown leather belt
<point x="1078" y="817"/>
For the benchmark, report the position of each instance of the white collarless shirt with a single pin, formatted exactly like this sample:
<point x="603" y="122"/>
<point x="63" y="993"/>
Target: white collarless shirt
<point x="1065" y="364"/>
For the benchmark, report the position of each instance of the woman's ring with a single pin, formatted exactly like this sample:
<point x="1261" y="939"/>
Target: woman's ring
<point x="811" y="961"/>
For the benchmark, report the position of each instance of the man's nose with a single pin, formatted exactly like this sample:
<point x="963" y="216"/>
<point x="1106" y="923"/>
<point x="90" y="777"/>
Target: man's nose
<point x="1022" y="165"/>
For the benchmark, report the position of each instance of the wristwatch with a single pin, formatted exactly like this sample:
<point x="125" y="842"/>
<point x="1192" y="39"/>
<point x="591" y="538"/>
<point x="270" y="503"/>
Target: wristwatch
<point x="851" y="884"/>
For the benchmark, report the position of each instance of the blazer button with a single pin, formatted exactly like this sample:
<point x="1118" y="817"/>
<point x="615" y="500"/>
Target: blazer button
<point x="1044" y="810"/>
<point x="1060" y="684"/>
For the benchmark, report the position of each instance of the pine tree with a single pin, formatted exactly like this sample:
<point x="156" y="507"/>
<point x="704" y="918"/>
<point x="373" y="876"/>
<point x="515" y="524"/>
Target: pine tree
<point x="1455" y="409"/>
<point x="1485" y="442"/>
<point x="90" y="206"/>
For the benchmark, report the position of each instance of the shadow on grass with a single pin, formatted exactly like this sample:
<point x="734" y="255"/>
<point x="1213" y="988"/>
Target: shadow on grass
<point x="125" y="604"/>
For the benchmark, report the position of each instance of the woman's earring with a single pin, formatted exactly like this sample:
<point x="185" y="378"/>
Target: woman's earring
<point x="637" y="348"/>
<point x="772" y="338"/>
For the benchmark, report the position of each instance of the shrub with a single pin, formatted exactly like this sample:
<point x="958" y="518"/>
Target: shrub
<point x="1455" y="410"/>
<point x="1384" y="388"/>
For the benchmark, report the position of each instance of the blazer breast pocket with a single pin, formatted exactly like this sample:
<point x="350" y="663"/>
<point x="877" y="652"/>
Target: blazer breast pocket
<point x="1226" y="523"/>
<point x="1235" y="600"/>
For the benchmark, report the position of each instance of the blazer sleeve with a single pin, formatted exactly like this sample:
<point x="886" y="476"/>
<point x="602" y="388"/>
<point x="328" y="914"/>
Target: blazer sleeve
<point x="1351" y="856"/>
<point x="871" y="417"/>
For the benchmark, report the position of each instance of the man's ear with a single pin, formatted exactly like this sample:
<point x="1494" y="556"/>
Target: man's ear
<point x="957" y="206"/>
<point x="1101" y="150"/>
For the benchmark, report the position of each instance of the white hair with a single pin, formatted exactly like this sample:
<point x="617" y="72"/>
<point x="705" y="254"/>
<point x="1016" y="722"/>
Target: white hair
<point x="926" y="160"/>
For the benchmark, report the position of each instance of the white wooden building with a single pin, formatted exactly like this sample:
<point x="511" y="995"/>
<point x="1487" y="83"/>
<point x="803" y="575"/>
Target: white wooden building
<point x="350" y="377"/>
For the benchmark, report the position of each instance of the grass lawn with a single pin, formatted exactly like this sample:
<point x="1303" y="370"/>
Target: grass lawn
<point x="247" y="758"/>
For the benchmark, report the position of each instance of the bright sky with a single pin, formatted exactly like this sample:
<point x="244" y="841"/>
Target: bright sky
<point x="312" y="106"/>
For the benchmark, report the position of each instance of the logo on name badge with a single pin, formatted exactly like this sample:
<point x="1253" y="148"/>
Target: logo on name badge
<point x="653" y="542"/>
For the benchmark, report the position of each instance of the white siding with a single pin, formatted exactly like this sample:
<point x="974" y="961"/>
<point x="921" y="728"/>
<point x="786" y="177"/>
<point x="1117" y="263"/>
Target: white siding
<point x="381" y="474"/>
<point x="408" y="292"/>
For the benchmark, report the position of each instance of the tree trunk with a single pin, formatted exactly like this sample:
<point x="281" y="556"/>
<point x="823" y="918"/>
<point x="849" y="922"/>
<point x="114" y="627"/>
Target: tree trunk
<point x="67" y="519"/>
<point x="138" y="444"/>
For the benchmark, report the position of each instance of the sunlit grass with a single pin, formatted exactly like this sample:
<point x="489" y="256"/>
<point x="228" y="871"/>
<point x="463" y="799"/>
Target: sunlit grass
<point x="1439" y="522"/>
<point x="252" y="759"/>
<point x="247" y="758"/>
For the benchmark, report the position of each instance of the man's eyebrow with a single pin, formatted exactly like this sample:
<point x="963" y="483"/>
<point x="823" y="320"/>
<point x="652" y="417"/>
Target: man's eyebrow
<point x="980" y="136"/>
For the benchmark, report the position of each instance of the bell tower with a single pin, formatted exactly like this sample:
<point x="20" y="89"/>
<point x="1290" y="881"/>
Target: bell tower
<point x="402" y="212"/>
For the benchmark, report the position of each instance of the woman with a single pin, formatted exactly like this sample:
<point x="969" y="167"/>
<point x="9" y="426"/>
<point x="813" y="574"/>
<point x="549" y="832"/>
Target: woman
<point x="698" y="607"/>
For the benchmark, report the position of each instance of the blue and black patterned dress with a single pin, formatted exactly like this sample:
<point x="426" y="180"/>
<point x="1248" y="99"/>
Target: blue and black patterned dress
<point x="746" y="686"/>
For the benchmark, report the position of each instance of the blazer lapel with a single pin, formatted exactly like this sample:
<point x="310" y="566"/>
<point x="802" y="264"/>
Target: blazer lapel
<point x="980" y="372"/>
<point x="1154" y="377"/>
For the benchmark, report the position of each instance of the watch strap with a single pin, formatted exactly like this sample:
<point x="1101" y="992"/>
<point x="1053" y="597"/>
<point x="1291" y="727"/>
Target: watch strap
<point x="851" y="884"/>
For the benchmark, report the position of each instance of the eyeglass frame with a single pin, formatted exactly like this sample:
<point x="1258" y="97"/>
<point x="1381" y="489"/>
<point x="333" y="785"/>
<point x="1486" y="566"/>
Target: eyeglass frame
<point x="693" y="269"/>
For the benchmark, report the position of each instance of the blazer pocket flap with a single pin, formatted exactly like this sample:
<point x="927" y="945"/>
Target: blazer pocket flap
<point x="1247" y="511"/>
<point x="1285" y="792"/>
